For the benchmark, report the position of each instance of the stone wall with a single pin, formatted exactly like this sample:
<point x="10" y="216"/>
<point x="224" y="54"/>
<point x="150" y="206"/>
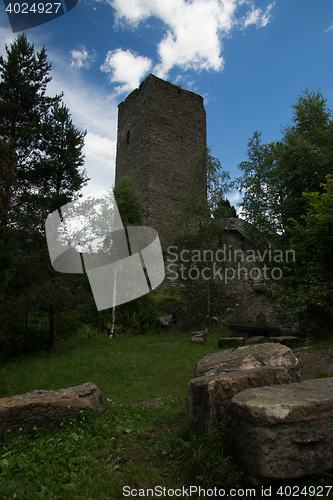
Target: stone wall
<point x="160" y="128"/>
<point x="244" y="295"/>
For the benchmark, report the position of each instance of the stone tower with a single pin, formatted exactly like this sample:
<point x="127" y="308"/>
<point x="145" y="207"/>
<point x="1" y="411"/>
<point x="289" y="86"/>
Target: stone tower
<point x="160" y="128"/>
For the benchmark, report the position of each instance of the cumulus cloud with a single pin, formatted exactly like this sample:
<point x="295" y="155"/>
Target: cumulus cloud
<point x="81" y="57"/>
<point x="193" y="35"/>
<point x="193" y="40"/>
<point x="125" y="67"/>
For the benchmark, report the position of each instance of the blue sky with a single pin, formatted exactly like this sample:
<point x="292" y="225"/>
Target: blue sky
<point x="249" y="59"/>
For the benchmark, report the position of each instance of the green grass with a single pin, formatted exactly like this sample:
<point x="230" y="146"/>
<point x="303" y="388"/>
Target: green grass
<point x="92" y="456"/>
<point x="125" y="369"/>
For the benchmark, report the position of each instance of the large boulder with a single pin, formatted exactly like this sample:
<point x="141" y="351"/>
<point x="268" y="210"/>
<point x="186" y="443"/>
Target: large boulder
<point x="210" y="396"/>
<point x="219" y="376"/>
<point x="48" y="408"/>
<point x="248" y="357"/>
<point x="284" y="431"/>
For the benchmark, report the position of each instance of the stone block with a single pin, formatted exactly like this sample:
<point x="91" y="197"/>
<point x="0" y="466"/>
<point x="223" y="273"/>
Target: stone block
<point x="197" y="339"/>
<point x="238" y="341"/>
<point x="48" y="408"/>
<point x="248" y="357"/>
<point x="285" y="431"/>
<point x="210" y="396"/>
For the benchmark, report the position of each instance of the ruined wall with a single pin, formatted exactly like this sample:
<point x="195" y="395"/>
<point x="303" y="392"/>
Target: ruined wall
<point x="241" y="292"/>
<point x="160" y="128"/>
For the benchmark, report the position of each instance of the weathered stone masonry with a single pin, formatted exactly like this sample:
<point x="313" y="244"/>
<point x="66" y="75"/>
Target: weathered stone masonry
<point x="160" y="129"/>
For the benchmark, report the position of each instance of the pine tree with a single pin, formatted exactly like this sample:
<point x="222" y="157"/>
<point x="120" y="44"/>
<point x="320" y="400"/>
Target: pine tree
<point x="24" y="78"/>
<point x="40" y="170"/>
<point x="8" y="180"/>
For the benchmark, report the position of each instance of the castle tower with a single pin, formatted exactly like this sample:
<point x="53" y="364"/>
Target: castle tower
<point x="160" y="128"/>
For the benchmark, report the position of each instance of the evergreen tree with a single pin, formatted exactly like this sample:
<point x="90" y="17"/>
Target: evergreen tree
<point x="8" y="180"/>
<point x="40" y="170"/>
<point x="23" y="103"/>
<point x="225" y="209"/>
<point x="55" y="178"/>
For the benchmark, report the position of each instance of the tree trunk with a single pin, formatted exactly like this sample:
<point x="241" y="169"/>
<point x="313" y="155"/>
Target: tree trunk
<point x="113" y="321"/>
<point x="52" y="337"/>
<point x="26" y="323"/>
<point x="208" y="306"/>
<point x="113" y="317"/>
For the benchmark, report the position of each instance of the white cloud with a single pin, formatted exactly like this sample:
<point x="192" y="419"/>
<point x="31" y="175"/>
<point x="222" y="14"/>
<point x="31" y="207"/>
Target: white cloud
<point x="193" y="34"/>
<point x="256" y="16"/>
<point x="234" y="197"/>
<point x="329" y="29"/>
<point x="125" y="67"/>
<point x="92" y="111"/>
<point x="193" y="40"/>
<point x="81" y="57"/>
<point x="100" y="162"/>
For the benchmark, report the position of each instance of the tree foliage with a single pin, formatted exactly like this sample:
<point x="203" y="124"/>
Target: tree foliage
<point x="288" y="200"/>
<point x="128" y="202"/>
<point x="8" y="179"/>
<point x="24" y="78"/>
<point x="207" y="187"/>
<point x="311" y="283"/>
<point x="225" y="209"/>
<point x="40" y="169"/>
<point x="276" y="174"/>
<point x="206" y="206"/>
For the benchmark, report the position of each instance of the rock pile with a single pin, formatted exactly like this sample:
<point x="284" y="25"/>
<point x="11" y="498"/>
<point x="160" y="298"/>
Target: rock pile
<point x="219" y="376"/>
<point x="280" y="430"/>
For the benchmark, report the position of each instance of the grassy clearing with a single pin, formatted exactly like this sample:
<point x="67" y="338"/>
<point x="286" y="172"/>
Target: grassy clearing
<point x="125" y="369"/>
<point x="92" y="457"/>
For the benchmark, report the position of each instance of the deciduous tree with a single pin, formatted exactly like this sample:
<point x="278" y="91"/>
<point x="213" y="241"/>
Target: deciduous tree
<point x="276" y="174"/>
<point x="310" y="290"/>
